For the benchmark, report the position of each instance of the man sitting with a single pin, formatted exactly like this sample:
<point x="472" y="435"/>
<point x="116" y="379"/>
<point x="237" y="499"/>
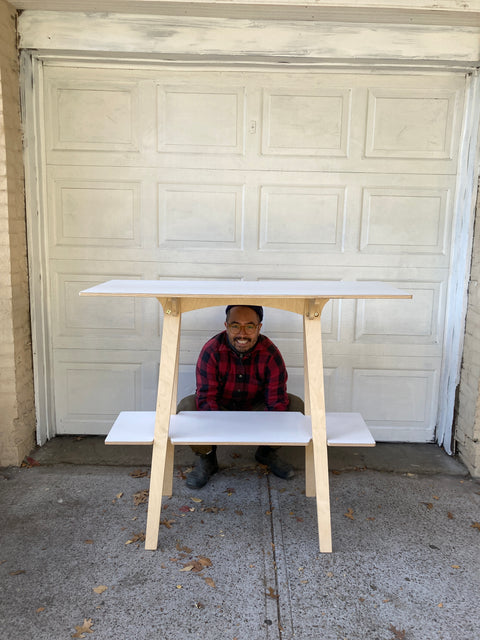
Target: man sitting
<point x="240" y="370"/>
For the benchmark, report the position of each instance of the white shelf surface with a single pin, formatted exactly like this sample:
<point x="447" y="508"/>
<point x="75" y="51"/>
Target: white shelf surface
<point x="240" y="427"/>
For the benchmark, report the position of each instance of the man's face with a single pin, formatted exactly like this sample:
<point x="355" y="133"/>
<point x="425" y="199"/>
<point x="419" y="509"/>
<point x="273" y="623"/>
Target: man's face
<point x="239" y="328"/>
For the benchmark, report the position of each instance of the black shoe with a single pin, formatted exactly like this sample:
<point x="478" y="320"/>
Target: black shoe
<point x="206" y="466"/>
<point x="269" y="457"/>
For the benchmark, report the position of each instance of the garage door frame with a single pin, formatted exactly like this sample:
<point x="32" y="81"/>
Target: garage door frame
<point x="31" y="69"/>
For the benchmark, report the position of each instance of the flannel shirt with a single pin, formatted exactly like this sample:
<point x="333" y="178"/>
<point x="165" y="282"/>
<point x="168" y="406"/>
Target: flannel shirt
<point x="228" y="380"/>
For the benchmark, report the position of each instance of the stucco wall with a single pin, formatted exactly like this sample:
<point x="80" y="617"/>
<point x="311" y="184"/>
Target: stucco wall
<point x="17" y="417"/>
<point x="467" y="431"/>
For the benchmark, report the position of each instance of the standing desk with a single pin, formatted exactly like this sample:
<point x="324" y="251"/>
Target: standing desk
<point x="305" y="297"/>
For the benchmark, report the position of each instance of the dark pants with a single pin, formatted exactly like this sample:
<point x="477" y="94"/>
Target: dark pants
<point x="189" y="404"/>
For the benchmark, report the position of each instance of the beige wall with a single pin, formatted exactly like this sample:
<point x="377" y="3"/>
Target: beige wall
<point x="17" y="417"/>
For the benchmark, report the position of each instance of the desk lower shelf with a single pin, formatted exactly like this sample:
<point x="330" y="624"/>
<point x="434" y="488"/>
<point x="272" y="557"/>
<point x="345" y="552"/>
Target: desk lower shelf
<point x="240" y="427"/>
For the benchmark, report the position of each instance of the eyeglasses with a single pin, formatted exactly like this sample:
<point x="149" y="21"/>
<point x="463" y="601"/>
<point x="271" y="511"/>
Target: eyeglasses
<point x="236" y="327"/>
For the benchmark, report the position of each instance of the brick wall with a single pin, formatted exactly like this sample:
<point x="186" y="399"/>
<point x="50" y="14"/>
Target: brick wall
<point x="17" y="416"/>
<point x="467" y="428"/>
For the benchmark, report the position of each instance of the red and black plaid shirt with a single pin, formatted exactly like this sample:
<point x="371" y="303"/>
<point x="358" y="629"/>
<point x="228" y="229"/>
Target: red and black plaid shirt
<point x="241" y="381"/>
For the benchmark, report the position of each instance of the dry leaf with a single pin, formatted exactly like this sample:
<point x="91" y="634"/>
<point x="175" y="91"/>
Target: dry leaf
<point x="475" y="525"/>
<point x="196" y="499"/>
<point x="138" y="473"/>
<point x="455" y="566"/>
<point x="40" y="609"/>
<point x="429" y="505"/>
<point x="229" y="491"/>
<point x="440" y="605"/>
<point x="17" y="573"/>
<point x="210" y="582"/>
<point x="212" y="509"/>
<point x="88" y="541"/>
<point x="30" y="462"/>
<point x="197" y="565"/>
<point x="119" y="495"/>
<point x="271" y="593"/>
<point x="349" y="514"/>
<point x="179" y="547"/>
<point x="85" y="628"/>
<point x="205" y="562"/>
<point x="186" y="509"/>
<point x="397" y="633"/>
<point x="100" y="589"/>
<point x="450" y="515"/>
<point x="137" y="537"/>
<point x="167" y="523"/>
<point x="140" y="497"/>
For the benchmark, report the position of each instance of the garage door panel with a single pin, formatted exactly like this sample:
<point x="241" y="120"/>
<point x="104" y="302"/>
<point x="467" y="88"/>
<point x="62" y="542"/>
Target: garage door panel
<point x="195" y="216"/>
<point x="295" y="218"/>
<point x="306" y="123"/>
<point x="412" y="124"/>
<point x="96" y="322"/>
<point x="405" y="220"/>
<point x="114" y="219"/>
<point x="196" y="119"/>
<point x="400" y="398"/>
<point x="94" y="386"/>
<point x="86" y="116"/>
<point x="416" y="321"/>
<point x="97" y="213"/>
<point x="201" y="119"/>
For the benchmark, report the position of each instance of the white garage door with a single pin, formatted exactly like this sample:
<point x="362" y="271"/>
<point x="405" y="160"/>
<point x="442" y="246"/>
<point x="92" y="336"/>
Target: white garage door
<point x="159" y="173"/>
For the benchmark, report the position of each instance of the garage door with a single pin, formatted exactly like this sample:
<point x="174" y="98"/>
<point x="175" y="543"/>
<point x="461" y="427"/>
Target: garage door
<point x="188" y="173"/>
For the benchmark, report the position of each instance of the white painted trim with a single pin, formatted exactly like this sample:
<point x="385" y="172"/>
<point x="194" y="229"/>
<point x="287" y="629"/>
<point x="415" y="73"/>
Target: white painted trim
<point x="446" y="12"/>
<point x="378" y="5"/>
<point x="30" y="76"/>
<point x="177" y="37"/>
<point x="457" y="298"/>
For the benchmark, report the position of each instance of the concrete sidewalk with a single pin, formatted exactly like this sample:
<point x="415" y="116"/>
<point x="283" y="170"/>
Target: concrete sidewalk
<point x="239" y="559"/>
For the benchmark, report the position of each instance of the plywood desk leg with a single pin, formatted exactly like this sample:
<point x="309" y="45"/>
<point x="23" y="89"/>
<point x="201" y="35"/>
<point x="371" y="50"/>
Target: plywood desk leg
<point x="309" y="471"/>
<point x="309" y="466"/>
<point x="314" y="356"/>
<point x="168" y="476"/>
<point x="166" y="385"/>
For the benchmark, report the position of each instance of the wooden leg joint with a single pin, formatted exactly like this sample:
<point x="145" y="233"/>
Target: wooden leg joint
<point x="313" y="308"/>
<point x="172" y="307"/>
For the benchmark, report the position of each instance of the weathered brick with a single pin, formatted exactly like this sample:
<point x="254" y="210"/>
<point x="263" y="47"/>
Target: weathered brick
<point x="17" y="427"/>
